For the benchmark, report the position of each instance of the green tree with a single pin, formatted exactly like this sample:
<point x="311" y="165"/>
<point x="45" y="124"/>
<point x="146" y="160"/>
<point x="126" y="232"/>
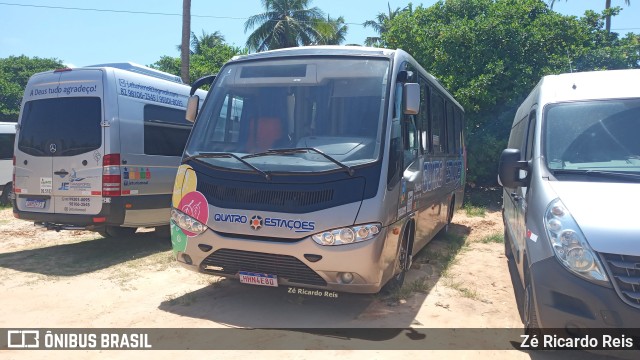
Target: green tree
<point x="608" y="11"/>
<point x="380" y="24"/>
<point x="333" y="31"/>
<point x="15" y="71"/>
<point x="285" y="23"/>
<point x="491" y="53"/>
<point x="208" y="61"/>
<point x="205" y="40"/>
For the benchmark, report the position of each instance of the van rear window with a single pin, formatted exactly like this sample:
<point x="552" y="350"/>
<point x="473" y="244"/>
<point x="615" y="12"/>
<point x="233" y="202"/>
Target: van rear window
<point x="61" y="126"/>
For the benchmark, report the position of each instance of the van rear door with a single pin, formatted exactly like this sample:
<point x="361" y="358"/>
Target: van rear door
<point x="63" y="143"/>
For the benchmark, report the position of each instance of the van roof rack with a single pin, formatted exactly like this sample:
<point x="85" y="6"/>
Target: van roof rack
<point x="141" y="69"/>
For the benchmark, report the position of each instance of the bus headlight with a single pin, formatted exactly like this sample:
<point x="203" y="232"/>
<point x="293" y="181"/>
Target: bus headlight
<point x="569" y="244"/>
<point x="347" y="235"/>
<point x="187" y="223"/>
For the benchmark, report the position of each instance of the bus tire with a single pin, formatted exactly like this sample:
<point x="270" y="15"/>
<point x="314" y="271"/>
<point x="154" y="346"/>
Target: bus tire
<point x="404" y="258"/>
<point x="118" y="231"/>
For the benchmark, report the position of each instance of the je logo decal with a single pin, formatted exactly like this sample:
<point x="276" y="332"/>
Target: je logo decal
<point x="256" y="222"/>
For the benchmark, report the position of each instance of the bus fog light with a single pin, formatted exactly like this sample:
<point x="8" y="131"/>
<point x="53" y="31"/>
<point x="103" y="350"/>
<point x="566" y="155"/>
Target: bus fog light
<point x="187" y="259"/>
<point x="345" y="278"/>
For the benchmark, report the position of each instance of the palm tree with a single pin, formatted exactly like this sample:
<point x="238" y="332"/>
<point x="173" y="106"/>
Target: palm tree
<point x="334" y="31"/>
<point x="285" y="23"/>
<point x="380" y="24"/>
<point x="607" y="6"/>
<point x="186" y="31"/>
<point x="204" y="41"/>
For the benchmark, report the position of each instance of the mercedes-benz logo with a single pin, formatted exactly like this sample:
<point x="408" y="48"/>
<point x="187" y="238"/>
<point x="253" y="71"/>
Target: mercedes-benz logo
<point x="52" y="148"/>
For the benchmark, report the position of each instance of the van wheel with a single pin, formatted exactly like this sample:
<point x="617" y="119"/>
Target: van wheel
<point x="5" y="198"/>
<point x="531" y="326"/>
<point x="104" y="234"/>
<point x="118" y="231"/>
<point x="404" y="259"/>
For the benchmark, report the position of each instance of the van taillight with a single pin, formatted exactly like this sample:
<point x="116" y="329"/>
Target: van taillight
<point x="111" y="177"/>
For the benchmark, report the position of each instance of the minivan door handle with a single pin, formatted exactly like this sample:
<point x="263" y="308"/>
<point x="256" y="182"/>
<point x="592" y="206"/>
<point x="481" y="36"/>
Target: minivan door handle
<point x="515" y="196"/>
<point x="61" y="173"/>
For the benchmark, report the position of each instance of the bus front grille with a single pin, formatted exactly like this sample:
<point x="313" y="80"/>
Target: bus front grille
<point x="624" y="271"/>
<point x="279" y="198"/>
<point x="284" y="266"/>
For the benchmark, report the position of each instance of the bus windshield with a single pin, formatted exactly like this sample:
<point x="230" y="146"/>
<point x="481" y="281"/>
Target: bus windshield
<point x="593" y="136"/>
<point x="331" y="106"/>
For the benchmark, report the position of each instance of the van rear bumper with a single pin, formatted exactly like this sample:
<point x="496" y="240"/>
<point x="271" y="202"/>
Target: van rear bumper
<point x="112" y="214"/>
<point x="565" y="301"/>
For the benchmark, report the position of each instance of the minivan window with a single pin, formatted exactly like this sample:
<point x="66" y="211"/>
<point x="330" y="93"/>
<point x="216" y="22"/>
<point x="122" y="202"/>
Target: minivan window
<point x="593" y="135"/>
<point x="64" y="126"/>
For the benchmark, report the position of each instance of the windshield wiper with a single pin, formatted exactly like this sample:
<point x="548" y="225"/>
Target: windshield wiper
<point x="598" y="173"/>
<point x="298" y="151"/>
<point x="218" y="155"/>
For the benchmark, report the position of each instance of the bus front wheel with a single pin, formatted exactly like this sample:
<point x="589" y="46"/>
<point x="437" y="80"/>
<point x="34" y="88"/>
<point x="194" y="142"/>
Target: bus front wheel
<point x="404" y="259"/>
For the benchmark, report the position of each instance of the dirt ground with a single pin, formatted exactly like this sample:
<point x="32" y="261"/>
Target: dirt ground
<point x="78" y="279"/>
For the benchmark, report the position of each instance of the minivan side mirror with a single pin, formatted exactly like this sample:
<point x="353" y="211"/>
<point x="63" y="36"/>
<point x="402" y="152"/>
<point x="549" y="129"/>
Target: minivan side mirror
<point x="192" y="108"/>
<point x="509" y="169"/>
<point x="411" y="99"/>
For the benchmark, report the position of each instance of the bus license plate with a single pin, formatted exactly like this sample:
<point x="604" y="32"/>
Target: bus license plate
<point x="258" y="279"/>
<point x="35" y="203"/>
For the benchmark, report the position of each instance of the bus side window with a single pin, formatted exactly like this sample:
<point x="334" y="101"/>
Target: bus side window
<point x="438" y="140"/>
<point x="451" y="132"/>
<point x="423" y="117"/>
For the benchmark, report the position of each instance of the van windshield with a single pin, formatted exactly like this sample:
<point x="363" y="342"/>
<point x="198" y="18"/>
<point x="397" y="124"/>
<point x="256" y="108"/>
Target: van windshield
<point x="64" y="126"/>
<point x="597" y="135"/>
<point x="332" y="105"/>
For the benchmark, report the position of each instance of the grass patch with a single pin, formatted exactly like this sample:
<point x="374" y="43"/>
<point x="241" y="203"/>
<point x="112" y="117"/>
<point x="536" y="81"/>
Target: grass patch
<point x="474" y="211"/>
<point x="422" y="285"/>
<point x="463" y="290"/>
<point x="493" y="239"/>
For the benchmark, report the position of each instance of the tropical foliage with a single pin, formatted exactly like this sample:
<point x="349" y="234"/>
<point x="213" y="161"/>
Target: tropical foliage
<point x="14" y="74"/>
<point x="491" y="53"/>
<point x="291" y="23"/>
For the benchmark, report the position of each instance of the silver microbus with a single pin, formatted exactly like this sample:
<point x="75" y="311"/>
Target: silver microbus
<point x="318" y="167"/>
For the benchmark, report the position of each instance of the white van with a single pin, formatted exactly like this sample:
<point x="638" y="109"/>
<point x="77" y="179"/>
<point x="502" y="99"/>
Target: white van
<point x="7" y="136"/>
<point x="571" y="178"/>
<point x="98" y="148"/>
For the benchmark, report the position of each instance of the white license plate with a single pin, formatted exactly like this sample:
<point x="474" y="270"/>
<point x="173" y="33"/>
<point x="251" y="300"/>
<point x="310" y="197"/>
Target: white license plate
<point x="258" y="279"/>
<point x="35" y="203"/>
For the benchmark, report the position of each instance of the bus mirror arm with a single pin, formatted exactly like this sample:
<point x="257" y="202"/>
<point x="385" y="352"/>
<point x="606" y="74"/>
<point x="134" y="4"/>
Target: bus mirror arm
<point x="205" y="80"/>
<point x="509" y="169"/>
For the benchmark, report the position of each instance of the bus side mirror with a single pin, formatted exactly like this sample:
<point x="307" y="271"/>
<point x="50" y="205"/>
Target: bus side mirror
<point x="509" y="169"/>
<point x="411" y="99"/>
<point x="192" y="108"/>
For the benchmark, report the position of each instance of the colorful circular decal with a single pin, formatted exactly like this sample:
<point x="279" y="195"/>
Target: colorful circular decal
<point x="195" y="205"/>
<point x="186" y="182"/>
<point x="178" y="239"/>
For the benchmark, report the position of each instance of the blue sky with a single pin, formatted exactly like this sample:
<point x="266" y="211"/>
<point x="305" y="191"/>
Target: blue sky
<point x="83" y="38"/>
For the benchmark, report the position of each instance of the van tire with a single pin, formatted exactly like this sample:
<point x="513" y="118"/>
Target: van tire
<point x="531" y="326"/>
<point x="104" y="234"/>
<point x="118" y="231"/>
<point x="5" y="198"/>
<point x="404" y="258"/>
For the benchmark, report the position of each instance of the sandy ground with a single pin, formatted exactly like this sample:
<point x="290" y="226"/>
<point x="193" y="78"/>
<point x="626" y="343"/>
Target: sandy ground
<point x="80" y="280"/>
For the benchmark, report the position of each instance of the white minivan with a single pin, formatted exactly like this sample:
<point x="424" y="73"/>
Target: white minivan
<point x="98" y="148"/>
<point x="571" y="178"/>
<point x="7" y="136"/>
